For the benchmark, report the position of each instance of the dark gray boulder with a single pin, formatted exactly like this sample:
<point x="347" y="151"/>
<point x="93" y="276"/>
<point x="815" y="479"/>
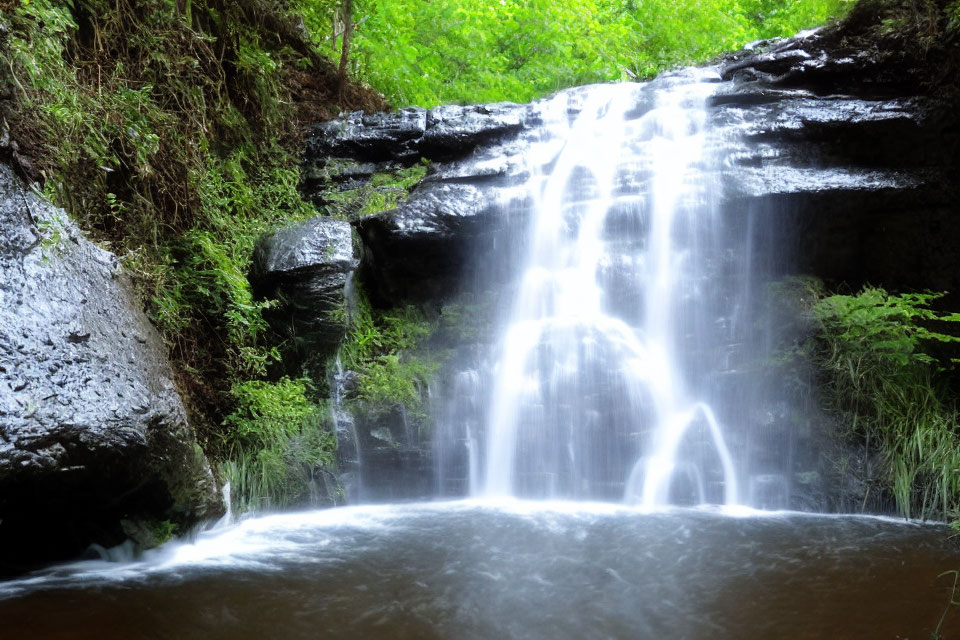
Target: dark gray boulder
<point x="371" y="138"/>
<point x="426" y="247"/>
<point x="842" y="168"/>
<point x="92" y="430"/>
<point x="453" y="129"/>
<point x="412" y="133"/>
<point x="305" y="269"/>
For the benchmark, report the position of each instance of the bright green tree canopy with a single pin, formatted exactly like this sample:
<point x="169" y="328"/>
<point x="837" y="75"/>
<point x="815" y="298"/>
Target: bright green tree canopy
<point x="428" y="52"/>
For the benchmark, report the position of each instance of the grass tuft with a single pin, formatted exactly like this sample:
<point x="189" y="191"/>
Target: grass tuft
<point x="875" y="352"/>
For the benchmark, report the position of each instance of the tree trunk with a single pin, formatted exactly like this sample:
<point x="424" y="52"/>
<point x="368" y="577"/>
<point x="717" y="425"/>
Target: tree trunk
<point x="347" y="16"/>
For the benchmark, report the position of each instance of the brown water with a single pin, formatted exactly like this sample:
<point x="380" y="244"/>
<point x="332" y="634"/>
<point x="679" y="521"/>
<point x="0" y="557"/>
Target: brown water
<point x="513" y="570"/>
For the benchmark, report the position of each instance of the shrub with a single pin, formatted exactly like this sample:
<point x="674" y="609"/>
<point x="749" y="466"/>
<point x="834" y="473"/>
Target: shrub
<point x="880" y="377"/>
<point x="171" y="131"/>
<point x="386" y="347"/>
<point x="277" y="440"/>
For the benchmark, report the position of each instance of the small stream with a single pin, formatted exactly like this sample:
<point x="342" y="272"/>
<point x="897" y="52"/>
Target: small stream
<point x="510" y="569"/>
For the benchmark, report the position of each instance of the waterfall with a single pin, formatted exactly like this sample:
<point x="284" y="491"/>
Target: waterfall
<point x="599" y="389"/>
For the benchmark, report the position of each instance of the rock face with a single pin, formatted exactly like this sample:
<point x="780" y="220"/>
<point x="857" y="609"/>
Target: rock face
<point x="423" y="248"/>
<point x="409" y="134"/>
<point x="427" y="247"/>
<point x="838" y="138"/>
<point x="857" y="164"/>
<point x="855" y="159"/>
<point x="93" y="435"/>
<point x="830" y="161"/>
<point x="391" y="462"/>
<point x="305" y="268"/>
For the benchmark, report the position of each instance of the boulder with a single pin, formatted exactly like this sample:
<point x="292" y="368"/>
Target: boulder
<point x="424" y="246"/>
<point x="453" y="129"/>
<point x="841" y="169"/>
<point x="412" y="133"/>
<point x="92" y="429"/>
<point x="305" y="269"/>
<point x="369" y="138"/>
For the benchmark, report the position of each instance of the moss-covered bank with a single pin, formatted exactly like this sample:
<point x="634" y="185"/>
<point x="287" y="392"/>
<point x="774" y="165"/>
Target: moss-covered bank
<point x="171" y="131"/>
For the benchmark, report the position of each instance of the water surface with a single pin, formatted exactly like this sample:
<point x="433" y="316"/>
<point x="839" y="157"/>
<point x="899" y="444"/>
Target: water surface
<point x="510" y="569"/>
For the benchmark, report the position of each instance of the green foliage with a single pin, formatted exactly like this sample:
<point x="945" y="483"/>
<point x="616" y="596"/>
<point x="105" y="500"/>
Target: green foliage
<point x="405" y="178"/>
<point x="914" y="39"/>
<point x="163" y="531"/>
<point x="380" y="346"/>
<point x="171" y="131"/>
<point x="200" y="276"/>
<point x="390" y="380"/>
<point x="381" y="192"/>
<point x="874" y="351"/>
<point x="443" y="51"/>
<point x="883" y="325"/>
<point x="918" y="23"/>
<point x="277" y="438"/>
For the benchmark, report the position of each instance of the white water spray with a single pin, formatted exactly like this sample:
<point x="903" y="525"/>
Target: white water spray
<point x="587" y="380"/>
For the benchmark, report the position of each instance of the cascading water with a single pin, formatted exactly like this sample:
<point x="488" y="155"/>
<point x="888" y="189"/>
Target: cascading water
<point x="601" y="382"/>
<point x="631" y="365"/>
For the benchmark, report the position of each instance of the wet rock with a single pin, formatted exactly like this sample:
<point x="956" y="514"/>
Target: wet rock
<point x="93" y="430"/>
<point x="409" y="134"/>
<point x="421" y="249"/>
<point x="853" y="186"/>
<point x="370" y="138"/>
<point x="424" y="245"/>
<point x="846" y="131"/>
<point x="393" y="463"/>
<point x="392" y="474"/>
<point x="454" y="129"/>
<point x="818" y="60"/>
<point x="305" y="268"/>
<point x="343" y="155"/>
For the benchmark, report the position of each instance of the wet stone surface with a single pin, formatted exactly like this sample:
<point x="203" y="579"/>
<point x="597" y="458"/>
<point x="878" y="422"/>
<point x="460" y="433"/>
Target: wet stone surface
<point x="305" y="268"/>
<point x="92" y="429"/>
<point x="414" y="132"/>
